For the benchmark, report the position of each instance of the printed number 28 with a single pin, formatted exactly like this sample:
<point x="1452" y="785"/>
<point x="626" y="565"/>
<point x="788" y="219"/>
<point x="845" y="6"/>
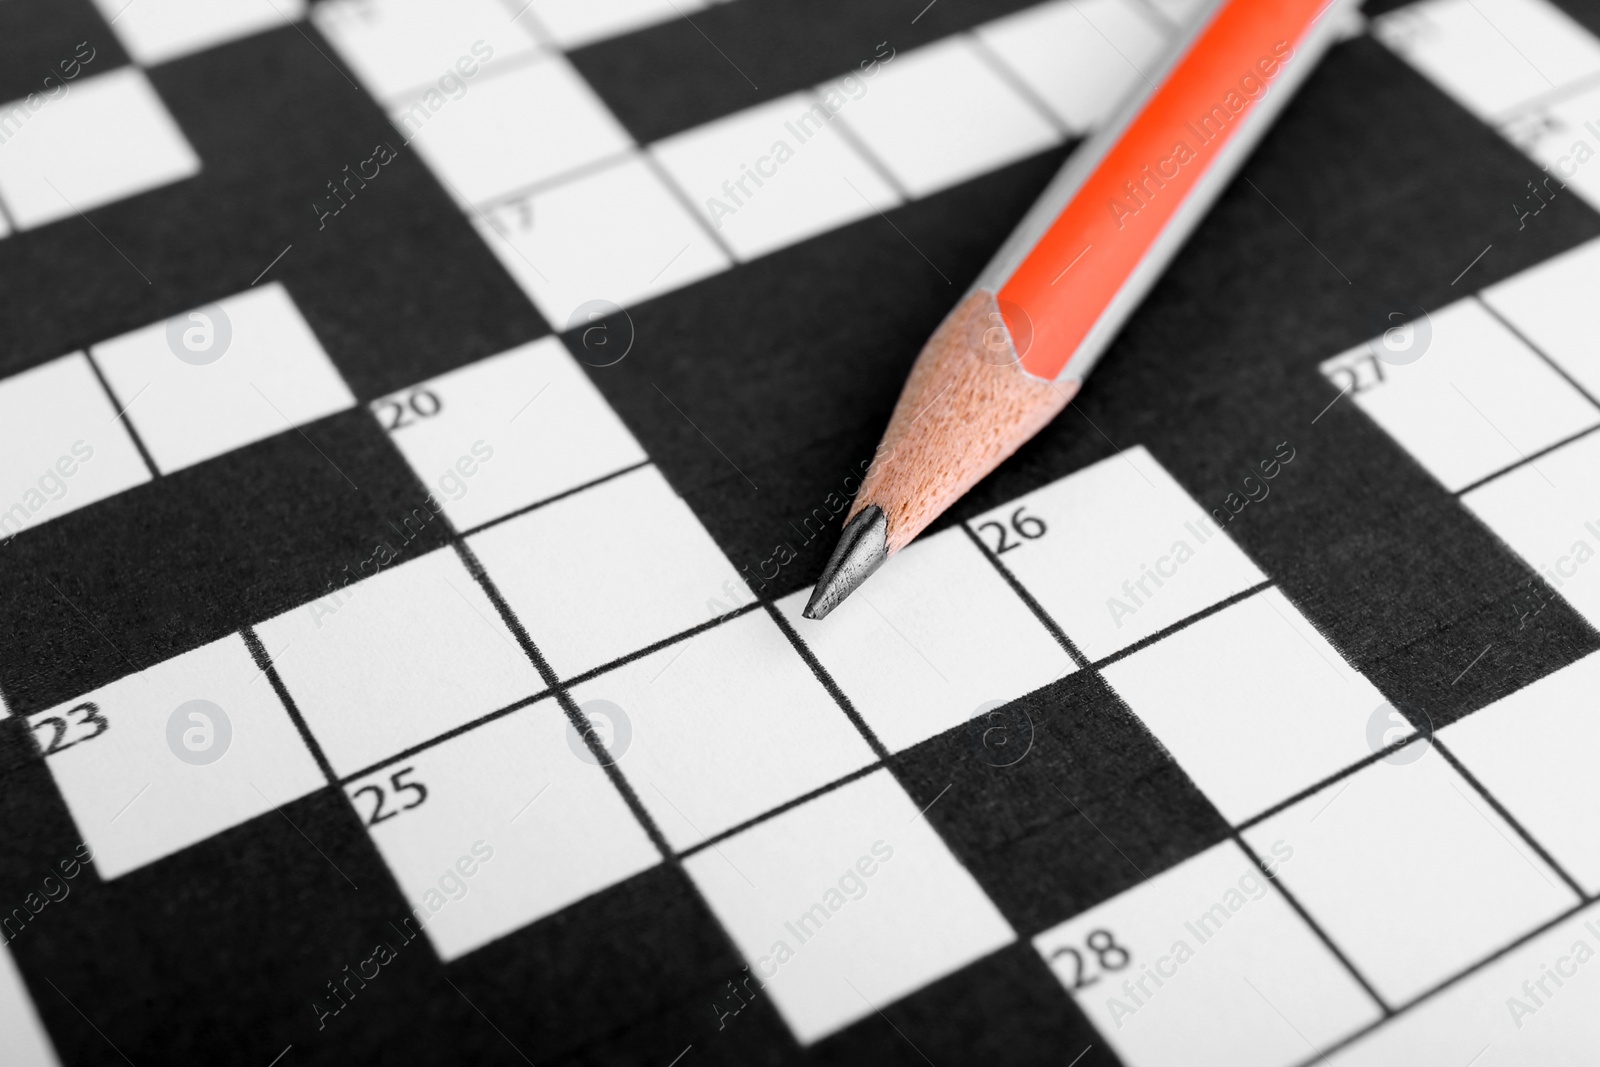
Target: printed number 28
<point x="1109" y="956"/>
<point x="1028" y="527"/>
<point x="381" y="796"/>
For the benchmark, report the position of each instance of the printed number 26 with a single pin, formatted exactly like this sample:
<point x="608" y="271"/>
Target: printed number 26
<point x="1028" y="527"/>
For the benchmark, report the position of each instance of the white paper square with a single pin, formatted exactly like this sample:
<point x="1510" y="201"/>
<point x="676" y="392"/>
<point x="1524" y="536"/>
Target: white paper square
<point x="26" y="1042"/>
<point x="608" y="571"/>
<point x="154" y="31"/>
<point x="1106" y="528"/>
<point x="514" y="826"/>
<point x="935" y="637"/>
<point x="271" y="375"/>
<point x="511" y="129"/>
<point x="1411" y="873"/>
<point x="815" y="182"/>
<point x="103" y="138"/>
<point x="134" y="798"/>
<point x="864" y="940"/>
<point x="1239" y="979"/>
<point x="1475" y="402"/>
<point x="1497" y="1016"/>
<point x="62" y="446"/>
<point x="1082" y="57"/>
<point x="507" y="432"/>
<point x="1560" y="134"/>
<point x="725" y="725"/>
<point x="387" y="663"/>
<point x="1530" y="750"/>
<point x="398" y="47"/>
<point x="1549" y="512"/>
<point x="1491" y="55"/>
<point x="574" y="23"/>
<point x="616" y="234"/>
<point x="939" y="115"/>
<point x="1253" y="703"/>
<point x="1552" y="305"/>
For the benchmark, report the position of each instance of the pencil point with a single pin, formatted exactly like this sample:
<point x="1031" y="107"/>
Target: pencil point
<point x="862" y="548"/>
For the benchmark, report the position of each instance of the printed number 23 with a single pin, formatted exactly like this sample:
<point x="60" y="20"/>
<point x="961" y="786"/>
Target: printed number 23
<point x="88" y="714"/>
<point x="1028" y="527"/>
<point x="381" y="797"/>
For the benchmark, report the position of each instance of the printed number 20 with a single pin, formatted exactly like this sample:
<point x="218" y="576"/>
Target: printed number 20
<point x="1028" y="527"/>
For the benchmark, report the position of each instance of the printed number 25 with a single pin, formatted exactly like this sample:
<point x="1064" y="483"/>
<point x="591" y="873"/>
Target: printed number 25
<point x="1028" y="527"/>
<point x="398" y="786"/>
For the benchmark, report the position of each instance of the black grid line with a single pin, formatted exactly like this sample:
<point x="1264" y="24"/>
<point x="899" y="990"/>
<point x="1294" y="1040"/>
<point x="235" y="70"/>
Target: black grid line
<point x="258" y="652"/>
<point x="1078" y="658"/>
<point x="1315" y="927"/>
<point x="1525" y="461"/>
<point x="537" y="504"/>
<point x="1511" y="820"/>
<point x="448" y="735"/>
<point x="122" y="414"/>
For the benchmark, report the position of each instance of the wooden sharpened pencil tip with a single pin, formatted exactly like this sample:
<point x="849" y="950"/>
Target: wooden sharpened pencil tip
<point x="967" y="405"/>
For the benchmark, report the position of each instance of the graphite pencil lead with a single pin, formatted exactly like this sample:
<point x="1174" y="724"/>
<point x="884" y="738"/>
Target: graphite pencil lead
<point x="862" y="548"/>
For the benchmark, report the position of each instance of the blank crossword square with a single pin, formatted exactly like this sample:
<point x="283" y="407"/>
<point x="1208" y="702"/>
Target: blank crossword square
<point x="179" y="752"/>
<point x="1552" y="306"/>
<point x="938" y="115"/>
<point x="845" y="904"/>
<point x="1531" y="751"/>
<point x="1206" y="963"/>
<point x="26" y="1042"/>
<point x="1253" y="703"/>
<point x="398" y="47"/>
<point x="617" y="234"/>
<point x="578" y="22"/>
<point x="499" y="827"/>
<point x="725" y="725"/>
<point x="774" y="174"/>
<point x="1549" y="512"/>
<point x="1491" y="55"/>
<point x="218" y="377"/>
<point x="351" y="659"/>
<point x="507" y="431"/>
<point x="1082" y="57"/>
<point x="935" y="637"/>
<point x="154" y="31"/>
<point x="1411" y="872"/>
<point x="1116" y="552"/>
<point x="104" y="138"/>
<point x="608" y="571"/>
<point x="1475" y="402"/>
<point x="513" y="128"/>
<point x="61" y="444"/>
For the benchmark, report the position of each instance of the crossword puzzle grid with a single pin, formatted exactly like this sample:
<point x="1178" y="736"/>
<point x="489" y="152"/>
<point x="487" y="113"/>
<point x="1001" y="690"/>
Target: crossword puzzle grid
<point x="441" y="693"/>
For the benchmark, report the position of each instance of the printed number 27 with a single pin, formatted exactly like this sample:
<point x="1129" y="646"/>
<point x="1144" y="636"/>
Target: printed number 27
<point x="399" y="786"/>
<point x="1028" y="527"/>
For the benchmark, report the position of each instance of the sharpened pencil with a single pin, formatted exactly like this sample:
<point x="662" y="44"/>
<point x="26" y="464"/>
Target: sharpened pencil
<point x="1014" y="352"/>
